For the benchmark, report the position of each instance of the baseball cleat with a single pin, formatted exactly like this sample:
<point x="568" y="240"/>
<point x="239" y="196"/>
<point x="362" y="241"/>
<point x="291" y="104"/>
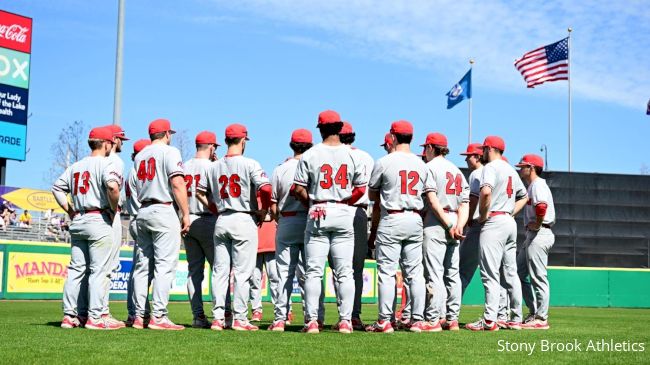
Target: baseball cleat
<point x="82" y="320"/>
<point x="257" y="316"/>
<point x="442" y="321"/>
<point x="513" y="326"/>
<point x="345" y="326"/>
<point x="425" y="326"/>
<point x="450" y="326"/>
<point x="358" y="325"/>
<point x="139" y="323"/>
<point x="243" y="325"/>
<point x="503" y="324"/>
<point x="536" y="324"/>
<point x="163" y="323"/>
<point x="103" y="323"/>
<point x="217" y="325"/>
<point x="228" y="320"/>
<point x="529" y="318"/>
<point x="70" y="322"/>
<point x="404" y="324"/>
<point x="200" y="321"/>
<point x="311" y="327"/>
<point x="277" y="326"/>
<point x="381" y="326"/>
<point x="115" y="321"/>
<point x="482" y="325"/>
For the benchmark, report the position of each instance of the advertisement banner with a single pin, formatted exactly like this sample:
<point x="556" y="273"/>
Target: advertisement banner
<point x="179" y="285"/>
<point x="30" y="199"/>
<point x="2" y="269"/>
<point x="13" y="140"/>
<point x="29" y="272"/>
<point x="14" y="68"/>
<point x="15" y="32"/>
<point x="13" y="103"/>
<point x="120" y="282"/>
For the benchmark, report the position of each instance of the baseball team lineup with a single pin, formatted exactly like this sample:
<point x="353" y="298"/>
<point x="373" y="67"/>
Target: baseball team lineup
<point x="329" y="202"/>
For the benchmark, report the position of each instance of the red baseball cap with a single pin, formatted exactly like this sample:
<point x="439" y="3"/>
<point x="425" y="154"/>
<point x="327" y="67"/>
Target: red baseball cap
<point x="401" y="127"/>
<point x="347" y="128"/>
<point x="140" y="144"/>
<point x="117" y="131"/>
<point x="473" y="149"/>
<point x="437" y="139"/>
<point x="388" y="140"/>
<point x="206" y="137"/>
<point x="101" y="133"/>
<point x="236" y="131"/>
<point x="531" y="160"/>
<point x="301" y="136"/>
<point x="328" y="116"/>
<point x="494" y="142"/>
<point x="160" y="125"/>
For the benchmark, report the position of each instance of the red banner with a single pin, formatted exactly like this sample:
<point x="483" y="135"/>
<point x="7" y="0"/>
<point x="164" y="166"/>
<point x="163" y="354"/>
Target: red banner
<point x="15" y="32"/>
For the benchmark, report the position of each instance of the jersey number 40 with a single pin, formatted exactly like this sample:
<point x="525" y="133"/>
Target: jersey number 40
<point x="147" y="170"/>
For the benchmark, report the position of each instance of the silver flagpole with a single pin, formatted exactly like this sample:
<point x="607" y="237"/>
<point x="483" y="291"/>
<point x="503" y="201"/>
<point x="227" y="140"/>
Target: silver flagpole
<point x="117" y="100"/>
<point x="570" y="114"/>
<point x="469" y="137"/>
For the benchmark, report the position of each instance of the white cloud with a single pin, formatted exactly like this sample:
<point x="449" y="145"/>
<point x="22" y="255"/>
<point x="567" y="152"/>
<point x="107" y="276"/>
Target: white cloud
<point x="610" y="49"/>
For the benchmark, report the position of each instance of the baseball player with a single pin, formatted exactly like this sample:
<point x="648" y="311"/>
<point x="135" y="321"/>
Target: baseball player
<point x="502" y="196"/>
<point x="331" y="178"/>
<point x="539" y="217"/>
<point x="118" y="139"/>
<point x="132" y="207"/>
<point x="94" y="185"/>
<point x="469" y="249"/>
<point x="291" y="216"/>
<point x="234" y="181"/>
<point x="265" y="262"/>
<point x="199" y="245"/>
<point x="443" y="226"/>
<point x="360" y="224"/>
<point x="397" y="183"/>
<point x="160" y="183"/>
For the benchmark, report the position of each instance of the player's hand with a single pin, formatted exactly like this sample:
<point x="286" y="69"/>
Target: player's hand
<point x="185" y="225"/>
<point x="371" y="240"/>
<point x="458" y="233"/>
<point x="261" y="216"/>
<point x="532" y="226"/>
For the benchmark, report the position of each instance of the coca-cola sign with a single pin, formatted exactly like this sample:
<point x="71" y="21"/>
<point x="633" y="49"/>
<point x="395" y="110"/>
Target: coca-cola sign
<point x="15" y="32"/>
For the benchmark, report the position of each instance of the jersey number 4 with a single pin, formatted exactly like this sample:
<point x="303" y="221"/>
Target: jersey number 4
<point x="147" y="170"/>
<point x="341" y="177"/>
<point x="188" y="183"/>
<point x="409" y="180"/>
<point x="85" y="183"/>
<point x="229" y="186"/>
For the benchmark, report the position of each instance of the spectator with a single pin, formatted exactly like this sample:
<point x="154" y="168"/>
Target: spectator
<point x="4" y="215"/>
<point x="12" y="218"/>
<point x="47" y="215"/>
<point x="3" y="224"/>
<point x="25" y="219"/>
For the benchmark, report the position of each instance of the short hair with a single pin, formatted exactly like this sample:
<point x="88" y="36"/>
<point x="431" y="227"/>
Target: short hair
<point x="300" y="147"/>
<point x="330" y="129"/>
<point x="159" y="135"/>
<point x="232" y="141"/>
<point x="403" y="138"/>
<point x="95" y="144"/>
<point x="538" y="170"/>
<point x="347" y="138"/>
<point x="203" y="146"/>
<point x="440" y="150"/>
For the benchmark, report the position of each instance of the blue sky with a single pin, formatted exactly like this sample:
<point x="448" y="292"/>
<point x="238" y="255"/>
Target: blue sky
<point x="274" y="65"/>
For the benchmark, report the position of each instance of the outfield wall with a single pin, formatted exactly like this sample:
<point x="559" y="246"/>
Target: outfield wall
<point x="34" y="270"/>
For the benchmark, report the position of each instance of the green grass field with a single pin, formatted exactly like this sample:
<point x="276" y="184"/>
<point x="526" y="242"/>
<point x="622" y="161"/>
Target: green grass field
<point x="30" y="333"/>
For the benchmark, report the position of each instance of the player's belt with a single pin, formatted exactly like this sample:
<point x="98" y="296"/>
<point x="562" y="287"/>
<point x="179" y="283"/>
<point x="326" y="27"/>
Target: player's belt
<point x="494" y="214"/>
<point x="402" y="211"/>
<point x="331" y="201"/>
<point x="147" y="203"/>
<point x="91" y="211"/>
<point x="449" y="210"/>
<point x="202" y="214"/>
<point x="546" y="225"/>
<point x="288" y="214"/>
<point x="364" y="206"/>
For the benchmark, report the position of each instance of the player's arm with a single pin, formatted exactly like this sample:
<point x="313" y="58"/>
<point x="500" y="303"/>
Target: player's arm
<point x="113" y="194"/>
<point x="463" y="214"/>
<point x="374" y="196"/>
<point x="300" y="193"/>
<point x="472" y="206"/>
<point x="179" y="190"/>
<point x="484" y="201"/>
<point x="519" y="205"/>
<point x="521" y="196"/>
<point x="437" y="210"/>
<point x="61" y="198"/>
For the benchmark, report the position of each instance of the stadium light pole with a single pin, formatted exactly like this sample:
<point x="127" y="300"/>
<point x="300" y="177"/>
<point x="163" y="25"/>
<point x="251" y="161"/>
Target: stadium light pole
<point x="545" y="150"/>
<point x="117" y="100"/>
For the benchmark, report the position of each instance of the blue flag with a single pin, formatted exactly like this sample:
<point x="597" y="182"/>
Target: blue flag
<point x="461" y="91"/>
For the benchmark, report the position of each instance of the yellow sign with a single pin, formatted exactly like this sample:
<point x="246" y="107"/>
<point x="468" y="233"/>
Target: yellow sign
<point x="36" y="272"/>
<point x="30" y="199"/>
<point x="2" y="261"/>
<point x="179" y="285"/>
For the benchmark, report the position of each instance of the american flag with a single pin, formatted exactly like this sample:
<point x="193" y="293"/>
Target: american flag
<point x="547" y="63"/>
